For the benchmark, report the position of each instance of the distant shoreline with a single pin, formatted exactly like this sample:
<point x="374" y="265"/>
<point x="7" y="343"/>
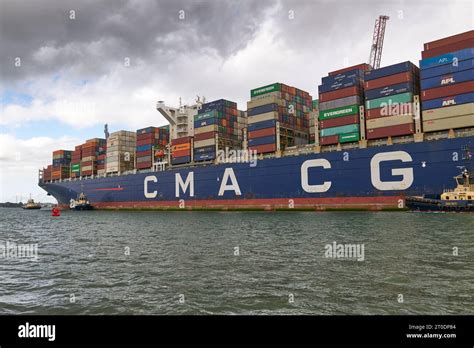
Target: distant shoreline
<point x="11" y="205"/>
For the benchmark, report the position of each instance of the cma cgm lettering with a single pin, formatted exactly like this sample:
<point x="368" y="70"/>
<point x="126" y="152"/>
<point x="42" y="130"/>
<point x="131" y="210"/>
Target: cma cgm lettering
<point x="230" y="183"/>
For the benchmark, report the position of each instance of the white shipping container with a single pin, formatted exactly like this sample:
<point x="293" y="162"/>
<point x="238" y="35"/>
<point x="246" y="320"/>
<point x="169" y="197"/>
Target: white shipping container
<point x="263" y="117"/>
<point x="202" y="143"/>
<point x="88" y="158"/>
<point x="143" y="159"/>
<point x="388" y="121"/>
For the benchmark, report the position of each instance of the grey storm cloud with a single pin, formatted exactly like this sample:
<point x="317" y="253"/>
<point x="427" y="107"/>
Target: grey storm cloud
<point x="106" y="31"/>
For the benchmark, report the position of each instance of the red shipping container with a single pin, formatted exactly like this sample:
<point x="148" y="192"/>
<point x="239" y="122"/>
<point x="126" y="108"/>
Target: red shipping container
<point x="363" y="66"/>
<point x="143" y="153"/>
<point x="262" y="133"/>
<point x="456" y="46"/>
<point x="145" y="142"/>
<point x="384" y="132"/>
<point x="329" y="140"/>
<point x="389" y="80"/>
<point x="144" y="165"/>
<point x="86" y="163"/>
<point x="341" y="93"/>
<point x="339" y="121"/>
<point x="145" y="136"/>
<point x="263" y="148"/>
<point x="78" y="148"/>
<point x="183" y="140"/>
<point x="204" y="136"/>
<point x="446" y="91"/>
<point x="449" y="40"/>
<point x="181" y="153"/>
<point x="87" y="172"/>
<point x="90" y="151"/>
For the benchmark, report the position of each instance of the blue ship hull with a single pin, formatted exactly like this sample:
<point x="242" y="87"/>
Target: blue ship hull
<point x="372" y="178"/>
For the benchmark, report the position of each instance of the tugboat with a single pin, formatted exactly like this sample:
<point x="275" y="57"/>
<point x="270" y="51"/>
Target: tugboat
<point x="460" y="199"/>
<point x="31" y="204"/>
<point x="80" y="203"/>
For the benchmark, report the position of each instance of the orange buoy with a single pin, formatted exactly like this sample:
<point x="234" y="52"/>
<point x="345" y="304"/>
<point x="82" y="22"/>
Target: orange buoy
<point x="56" y="212"/>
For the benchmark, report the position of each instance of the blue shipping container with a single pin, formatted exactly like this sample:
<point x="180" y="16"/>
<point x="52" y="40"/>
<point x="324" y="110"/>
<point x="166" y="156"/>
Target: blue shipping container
<point x="262" y="140"/>
<point x="204" y="156"/>
<point x="145" y="130"/>
<point x="61" y="162"/>
<point x="390" y="70"/>
<point x="390" y="90"/>
<point x="204" y="123"/>
<point x="143" y="148"/>
<point x="261" y="125"/>
<point x="349" y="82"/>
<point x="447" y="69"/>
<point x="342" y="77"/>
<point x="262" y="109"/>
<point x="204" y="149"/>
<point x="447" y="58"/>
<point x="448" y="101"/>
<point x="180" y="160"/>
<point x="447" y="79"/>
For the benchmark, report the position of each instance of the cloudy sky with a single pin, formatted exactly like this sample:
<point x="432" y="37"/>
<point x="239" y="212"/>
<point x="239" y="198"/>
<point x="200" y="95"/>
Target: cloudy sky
<point x="68" y="67"/>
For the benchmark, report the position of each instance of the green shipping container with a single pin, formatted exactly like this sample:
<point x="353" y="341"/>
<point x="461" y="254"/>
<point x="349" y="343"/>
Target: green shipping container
<point x="274" y="87"/>
<point x="75" y="168"/>
<point x="315" y="103"/>
<point x="351" y="128"/>
<point x="347" y="138"/>
<point x="205" y="116"/>
<point x="339" y="112"/>
<point x="386" y="101"/>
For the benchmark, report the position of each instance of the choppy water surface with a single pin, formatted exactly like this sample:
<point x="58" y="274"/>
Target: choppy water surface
<point x="84" y="256"/>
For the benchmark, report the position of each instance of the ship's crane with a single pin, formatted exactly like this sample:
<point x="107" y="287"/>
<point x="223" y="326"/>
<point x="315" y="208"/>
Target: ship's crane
<point x="377" y="41"/>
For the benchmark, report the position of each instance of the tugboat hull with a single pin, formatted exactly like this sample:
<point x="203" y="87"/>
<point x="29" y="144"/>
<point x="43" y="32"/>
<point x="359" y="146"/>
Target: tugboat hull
<point x="428" y="204"/>
<point x="83" y="207"/>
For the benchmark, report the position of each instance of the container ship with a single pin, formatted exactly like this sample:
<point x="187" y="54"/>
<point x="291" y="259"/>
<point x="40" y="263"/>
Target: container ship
<point x="372" y="137"/>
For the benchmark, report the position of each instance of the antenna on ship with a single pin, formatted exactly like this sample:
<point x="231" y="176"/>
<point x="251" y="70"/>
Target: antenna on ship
<point x="106" y="131"/>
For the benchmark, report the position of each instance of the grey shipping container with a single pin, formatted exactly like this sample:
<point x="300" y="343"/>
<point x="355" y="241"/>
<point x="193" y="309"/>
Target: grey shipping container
<point x="336" y="103"/>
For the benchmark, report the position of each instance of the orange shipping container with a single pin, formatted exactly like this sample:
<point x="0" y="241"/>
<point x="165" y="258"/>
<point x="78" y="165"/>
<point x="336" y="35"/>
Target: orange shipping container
<point x="181" y="147"/>
<point x="262" y="133"/>
<point x="181" y="153"/>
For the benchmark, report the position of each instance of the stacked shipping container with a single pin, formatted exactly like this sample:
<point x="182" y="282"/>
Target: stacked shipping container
<point x="181" y="150"/>
<point x="389" y="97"/>
<point x="216" y="126"/>
<point x="90" y="151"/>
<point x="61" y="164"/>
<point x="340" y="96"/>
<point x="151" y="141"/>
<point x="447" y="83"/>
<point x="76" y="162"/>
<point x="47" y="173"/>
<point x="313" y="121"/>
<point x="121" y="148"/>
<point x="289" y="106"/>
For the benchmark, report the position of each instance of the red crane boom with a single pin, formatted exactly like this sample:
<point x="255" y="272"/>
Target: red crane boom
<point x="377" y="41"/>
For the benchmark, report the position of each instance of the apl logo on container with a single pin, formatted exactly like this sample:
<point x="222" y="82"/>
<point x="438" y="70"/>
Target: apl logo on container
<point x="447" y="80"/>
<point x="450" y="101"/>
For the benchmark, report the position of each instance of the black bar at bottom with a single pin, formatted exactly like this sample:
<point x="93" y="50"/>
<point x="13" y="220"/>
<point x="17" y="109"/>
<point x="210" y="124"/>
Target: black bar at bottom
<point x="290" y="330"/>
